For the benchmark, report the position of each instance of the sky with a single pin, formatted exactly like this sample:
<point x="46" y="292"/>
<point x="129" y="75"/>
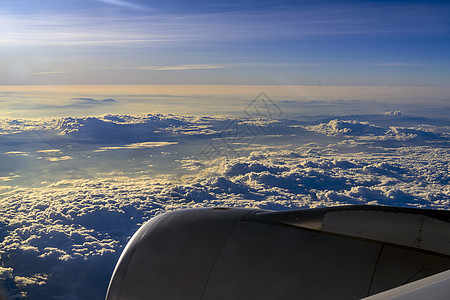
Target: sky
<point x="110" y="42"/>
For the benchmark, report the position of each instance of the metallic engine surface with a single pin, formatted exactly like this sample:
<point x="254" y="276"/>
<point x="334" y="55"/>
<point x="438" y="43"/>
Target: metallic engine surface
<point x="346" y="252"/>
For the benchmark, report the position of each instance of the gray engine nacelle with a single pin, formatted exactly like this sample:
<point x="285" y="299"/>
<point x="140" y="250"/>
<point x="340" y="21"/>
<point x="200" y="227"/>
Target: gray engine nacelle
<point x="347" y="252"/>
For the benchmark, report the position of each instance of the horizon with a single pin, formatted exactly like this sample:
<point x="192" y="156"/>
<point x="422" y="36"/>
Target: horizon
<point x="41" y="101"/>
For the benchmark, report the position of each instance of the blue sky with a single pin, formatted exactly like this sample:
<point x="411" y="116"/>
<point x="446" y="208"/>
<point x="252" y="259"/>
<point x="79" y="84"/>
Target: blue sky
<point x="392" y="43"/>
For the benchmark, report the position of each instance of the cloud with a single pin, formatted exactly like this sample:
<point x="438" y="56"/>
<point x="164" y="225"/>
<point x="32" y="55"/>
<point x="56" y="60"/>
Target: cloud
<point x="49" y="151"/>
<point x="400" y="64"/>
<point x="151" y="30"/>
<point x="70" y="232"/>
<point x="94" y="101"/>
<point x="6" y="273"/>
<point x="144" y="145"/>
<point x="11" y="177"/>
<point x="181" y="67"/>
<point x="366" y="131"/>
<point x="17" y="153"/>
<point x="394" y="113"/>
<point x="342" y="127"/>
<point x="51" y="72"/>
<point x="5" y="188"/>
<point x="191" y="163"/>
<point x="13" y="126"/>
<point x="126" y="4"/>
<point x="127" y="128"/>
<point x="55" y="159"/>
<point x="37" y="279"/>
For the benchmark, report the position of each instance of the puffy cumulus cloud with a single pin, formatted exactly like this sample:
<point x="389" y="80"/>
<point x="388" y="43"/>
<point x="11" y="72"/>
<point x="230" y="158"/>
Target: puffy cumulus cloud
<point x="153" y="124"/>
<point x="420" y="132"/>
<point x="111" y="132"/>
<point x="92" y="125"/>
<point x="367" y="131"/>
<point x="70" y="233"/>
<point x="77" y="224"/>
<point x="11" y="126"/>
<point x="136" y="130"/>
<point x="409" y="176"/>
<point x="37" y="279"/>
<point x="119" y="125"/>
<point x="394" y="113"/>
<point x="63" y="239"/>
<point x="344" y="127"/>
<point x="133" y="127"/>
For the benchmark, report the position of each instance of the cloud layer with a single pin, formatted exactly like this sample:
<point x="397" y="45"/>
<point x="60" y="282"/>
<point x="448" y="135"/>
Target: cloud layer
<point x="63" y="238"/>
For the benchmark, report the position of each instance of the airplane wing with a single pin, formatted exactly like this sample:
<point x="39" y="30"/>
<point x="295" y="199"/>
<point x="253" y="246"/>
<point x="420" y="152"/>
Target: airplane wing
<point x="346" y="252"/>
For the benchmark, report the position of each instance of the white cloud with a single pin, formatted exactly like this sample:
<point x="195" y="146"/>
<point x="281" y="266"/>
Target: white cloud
<point x="394" y="113"/>
<point x="37" y="279"/>
<point x="125" y="4"/>
<point x="79" y="226"/>
<point x="55" y="159"/>
<point x="6" y="273"/>
<point x="49" y="151"/>
<point x="12" y="126"/>
<point x="181" y="67"/>
<point x="51" y="72"/>
<point x="144" y="145"/>
<point x="5" y="188"/>
<point x="343" y="127"/>
<point x="17" y="153"/>
<point x="399" y="64"/>
<point x="9" y="178"/>
<point x="191" y="163"/>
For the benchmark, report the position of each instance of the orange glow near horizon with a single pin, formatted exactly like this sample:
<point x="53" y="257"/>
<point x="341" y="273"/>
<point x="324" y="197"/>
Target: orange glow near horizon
<point x="280" y="92"/>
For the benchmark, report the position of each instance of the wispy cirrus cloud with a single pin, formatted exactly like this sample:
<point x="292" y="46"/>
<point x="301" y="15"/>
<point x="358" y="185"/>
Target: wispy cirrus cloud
<point x="94" y="101"/>
<point x="17" y="153"/>
<point x="51" y="72"/>
<point x="144" y="145"/>
<point x="90" y="29"/>
<point x="180" y="67"/>
<point x="399" y="64"/>
<point x="126" y="4"/>
<point x="11" y="177"/>
<point x="49" y="151"/>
